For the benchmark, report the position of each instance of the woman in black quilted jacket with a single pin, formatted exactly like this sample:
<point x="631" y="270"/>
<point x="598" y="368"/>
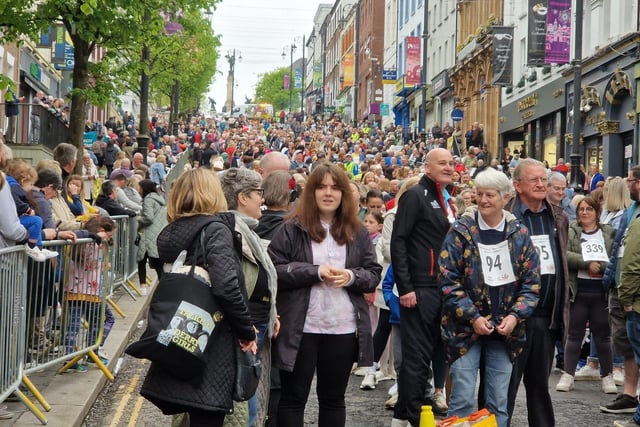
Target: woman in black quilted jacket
<point x="196" y="203"/>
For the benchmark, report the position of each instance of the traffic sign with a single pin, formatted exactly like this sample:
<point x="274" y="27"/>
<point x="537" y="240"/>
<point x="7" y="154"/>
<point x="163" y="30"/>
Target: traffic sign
<point x="457" y="115"/>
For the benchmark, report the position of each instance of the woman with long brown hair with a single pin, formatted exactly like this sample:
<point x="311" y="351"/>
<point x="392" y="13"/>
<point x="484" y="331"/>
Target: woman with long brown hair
<point x="325" y="263"/>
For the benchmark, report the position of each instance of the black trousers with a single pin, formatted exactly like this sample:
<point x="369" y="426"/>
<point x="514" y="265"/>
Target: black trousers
<point x="534" y="365"/>
<point x="420" y="333"/>
<point x="331" y="358"/>
<point x="154" y="263"/>
<point x="200" y="418"/>
<point x="381" y="335"/>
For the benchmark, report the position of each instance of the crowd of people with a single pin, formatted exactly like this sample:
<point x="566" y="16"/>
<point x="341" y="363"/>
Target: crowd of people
<point x="382" y="253"/>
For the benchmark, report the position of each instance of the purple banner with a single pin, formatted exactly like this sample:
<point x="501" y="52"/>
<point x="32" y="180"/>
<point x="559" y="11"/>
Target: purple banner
<point x="287" y="82"/>
<point x="558" y="37"/>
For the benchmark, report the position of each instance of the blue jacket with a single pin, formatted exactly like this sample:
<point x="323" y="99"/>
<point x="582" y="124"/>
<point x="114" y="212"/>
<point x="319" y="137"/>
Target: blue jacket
<point x="465" y="296"/>
<point x="392" y="301"/>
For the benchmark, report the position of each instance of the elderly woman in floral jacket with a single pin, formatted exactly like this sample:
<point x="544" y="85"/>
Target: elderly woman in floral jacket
<point x="490" y="279"/>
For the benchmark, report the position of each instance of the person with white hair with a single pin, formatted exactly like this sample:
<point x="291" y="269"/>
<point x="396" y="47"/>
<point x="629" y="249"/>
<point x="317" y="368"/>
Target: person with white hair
<point x="490" y="280"/>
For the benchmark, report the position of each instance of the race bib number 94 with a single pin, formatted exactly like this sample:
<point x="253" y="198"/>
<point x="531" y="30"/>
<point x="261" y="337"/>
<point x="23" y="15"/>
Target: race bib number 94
<point x="543" y="247"/>
<point x="497" y="267"/>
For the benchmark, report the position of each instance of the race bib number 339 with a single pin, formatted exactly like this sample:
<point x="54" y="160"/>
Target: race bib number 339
<point x="497" y="267"/>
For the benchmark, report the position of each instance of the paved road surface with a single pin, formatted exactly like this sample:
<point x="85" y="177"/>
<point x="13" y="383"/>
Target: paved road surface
<point x="121" y="405"/>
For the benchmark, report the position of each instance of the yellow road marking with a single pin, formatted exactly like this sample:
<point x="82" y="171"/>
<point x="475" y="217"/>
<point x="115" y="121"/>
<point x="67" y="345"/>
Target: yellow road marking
<point x="136" y="412"/>
<point x="125" y="400"/>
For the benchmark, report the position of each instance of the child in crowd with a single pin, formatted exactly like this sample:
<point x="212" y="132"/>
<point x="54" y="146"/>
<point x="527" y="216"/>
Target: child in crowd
<point x="84" y="288"/>
<point x="373" y="222"/>
<point x="21" y="177"/>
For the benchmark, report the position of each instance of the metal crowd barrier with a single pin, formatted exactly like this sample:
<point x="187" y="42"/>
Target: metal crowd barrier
<point x="13" y="281"/>
<point x="53" y="314"/>
<point x="123" y="259"/>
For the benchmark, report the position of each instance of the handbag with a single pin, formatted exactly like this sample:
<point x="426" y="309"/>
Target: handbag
<point x="248" y="372"/>
<point x="181" y="320"/>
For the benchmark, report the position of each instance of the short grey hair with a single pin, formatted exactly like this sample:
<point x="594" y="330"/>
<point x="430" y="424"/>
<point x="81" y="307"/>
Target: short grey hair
<point x="557" y="176"/>
<point x="65" y="153"/>
<point x="523" y="164"/>
<point x="236" y="181"/>
<point x="493" y="180"/>
<point x="276" y="189"/>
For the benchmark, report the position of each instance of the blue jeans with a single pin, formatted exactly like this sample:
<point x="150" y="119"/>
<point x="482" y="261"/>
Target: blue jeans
<point x="253" y="402"/>
<point x="497" y="374"/>
<point x="633" y="333"/>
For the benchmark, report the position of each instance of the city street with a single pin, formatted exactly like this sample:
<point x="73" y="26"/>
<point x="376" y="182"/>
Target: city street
<point x="121" y="405"/>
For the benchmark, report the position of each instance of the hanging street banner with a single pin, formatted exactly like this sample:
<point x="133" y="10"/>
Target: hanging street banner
<point x="537" y="13"/>
<point x="348" y="69"/>
<point x="297" y="78"/>
<point x="412" y="60"/>
<point x="317" y="75"/>
<point x="558" y="36"/>
<point x="384" y="109"/>
<point x="502" y="61"/>
<point x="287" y="82"/>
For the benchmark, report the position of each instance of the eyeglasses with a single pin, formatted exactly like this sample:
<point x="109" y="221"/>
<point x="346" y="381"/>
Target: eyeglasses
<point x="535" y="180"/>
<point x="259" y="190"/>
<point x="586" y="209"/>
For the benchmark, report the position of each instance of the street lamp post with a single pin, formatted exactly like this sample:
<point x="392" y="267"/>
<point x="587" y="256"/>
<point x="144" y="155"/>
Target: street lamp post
<point x="302" y="79"/>
<point x="231" y="58"/>
<point x="291" y="77"/>
<point x="577" y="83"/>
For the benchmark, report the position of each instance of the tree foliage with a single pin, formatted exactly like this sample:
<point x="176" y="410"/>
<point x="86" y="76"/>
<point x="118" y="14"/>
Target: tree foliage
<point x="114" y="25"/>
<point x="270" y="89"/>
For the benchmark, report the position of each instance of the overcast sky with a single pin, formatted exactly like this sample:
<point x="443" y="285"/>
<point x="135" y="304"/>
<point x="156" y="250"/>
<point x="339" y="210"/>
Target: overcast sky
<point x="259" y="31"/>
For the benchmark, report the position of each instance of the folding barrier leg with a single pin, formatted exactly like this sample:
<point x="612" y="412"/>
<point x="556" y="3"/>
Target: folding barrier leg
<point x="107" y="373"/>
<point x="116" y="308"/>
<point x="149" y="281"/>
<point x="31" y="406"/>
<point x="70" y="363"/>
<point x="126" y="288"/>
<point x="135" y="288"/>
<point x="39" y="397"/>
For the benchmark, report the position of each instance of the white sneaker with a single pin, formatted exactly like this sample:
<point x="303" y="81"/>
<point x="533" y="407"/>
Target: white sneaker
<point x="395" y="422"/>
<point x="34" y="253"/>
<point x="609" y="385"/>
<point x="565" y="383"/>
<point x="380" y="376"/>
<point x="369" y="382"/>
<point x="49" y="254"/>
<point x="361" y="371"/>
<point x="390" y="403"/>
<point x="618" y="376"/>
<point x="439" y="402"/>
<point x="587" y="373"/>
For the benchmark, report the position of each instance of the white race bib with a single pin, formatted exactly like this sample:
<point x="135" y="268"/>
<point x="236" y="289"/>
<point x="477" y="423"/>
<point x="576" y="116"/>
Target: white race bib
<point x="543" y="246"/>
<point x="593" y="247"/>
<point x="497" y="267"/>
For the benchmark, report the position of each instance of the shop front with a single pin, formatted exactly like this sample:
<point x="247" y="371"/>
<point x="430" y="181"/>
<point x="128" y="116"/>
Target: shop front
<point x="401" y="106"/>
<point x="608" y="111"/>
<point x="533" y="123"/>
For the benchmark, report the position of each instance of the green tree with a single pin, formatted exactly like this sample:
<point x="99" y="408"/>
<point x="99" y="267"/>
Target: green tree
<point x="270" y="89"/>
<point x="112" y="24"/>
